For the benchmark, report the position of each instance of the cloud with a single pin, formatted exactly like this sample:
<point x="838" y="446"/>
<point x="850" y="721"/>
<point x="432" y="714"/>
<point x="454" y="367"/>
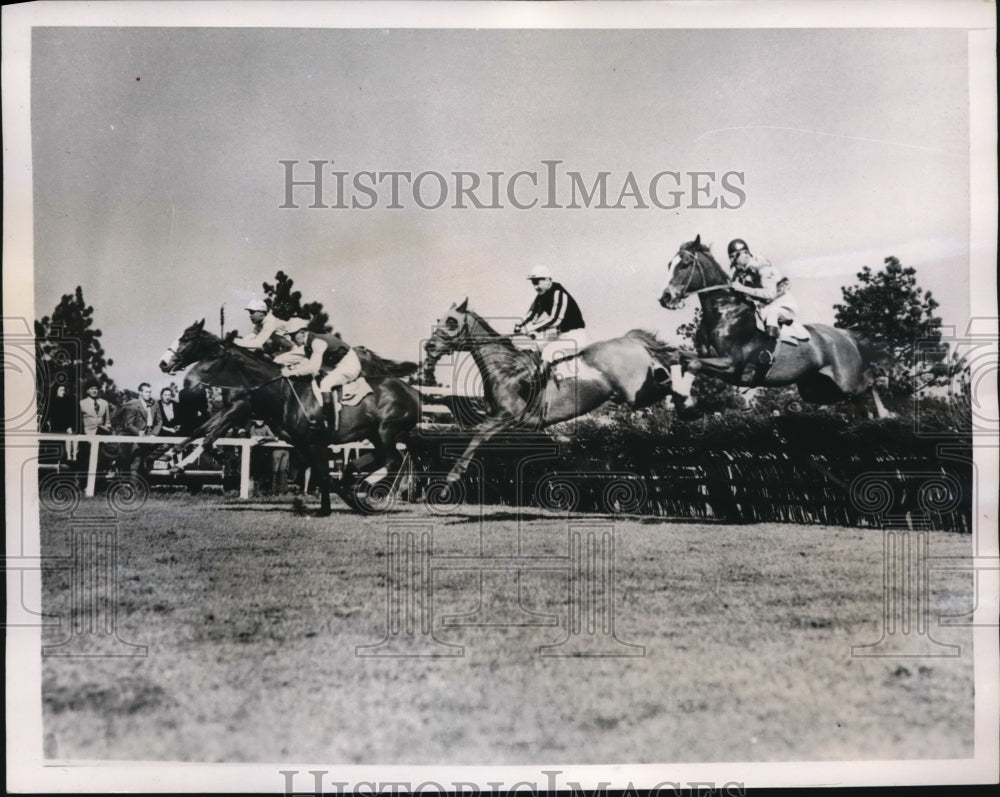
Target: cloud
<point x="928" y="252"/>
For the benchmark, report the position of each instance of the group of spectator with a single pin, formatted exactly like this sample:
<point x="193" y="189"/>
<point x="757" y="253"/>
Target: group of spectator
<point x="176" y="413"/>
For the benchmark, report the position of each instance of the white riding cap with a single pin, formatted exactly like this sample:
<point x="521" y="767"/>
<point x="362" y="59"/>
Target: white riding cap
<point x="256" y="305"/>
<point x="540" y="273"/>
<point x="294" y="325"/>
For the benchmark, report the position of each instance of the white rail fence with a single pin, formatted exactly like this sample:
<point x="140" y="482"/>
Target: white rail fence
<point x="244" y="444"/>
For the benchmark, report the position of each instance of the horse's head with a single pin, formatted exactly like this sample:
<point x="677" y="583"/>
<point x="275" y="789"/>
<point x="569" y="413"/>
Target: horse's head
<point x="692" y="269"/>
<point x="192" y="346"/>
<point x="451" y="333"/>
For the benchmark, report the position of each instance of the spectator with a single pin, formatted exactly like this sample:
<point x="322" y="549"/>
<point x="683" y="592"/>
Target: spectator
<point x="61" y="418"/>
<point x="140" y="418"/>
<point x="262" y="461"/>
<point x="279" y="470"/>
<point x="95" y="419"/>
<point x="95" y="412"/>
<point x="169" y="413"/>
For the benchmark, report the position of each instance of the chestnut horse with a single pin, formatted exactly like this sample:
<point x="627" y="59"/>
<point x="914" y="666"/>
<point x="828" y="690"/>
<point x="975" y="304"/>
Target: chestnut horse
<point x="633" y="369"/>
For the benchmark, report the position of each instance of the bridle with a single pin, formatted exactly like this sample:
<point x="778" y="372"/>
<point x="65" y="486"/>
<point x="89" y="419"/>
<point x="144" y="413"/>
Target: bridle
<point x="453" y="341"/>
<point x="693" y="256"/>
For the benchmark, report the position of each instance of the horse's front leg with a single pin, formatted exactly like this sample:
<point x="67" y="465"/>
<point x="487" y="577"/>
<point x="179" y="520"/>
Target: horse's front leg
<point x="365" y="464"/>
<point x="212" y="429"/>
<point x="483" y="433"/>
<point x="319" y="457"/>
<point x="238" y="411"/>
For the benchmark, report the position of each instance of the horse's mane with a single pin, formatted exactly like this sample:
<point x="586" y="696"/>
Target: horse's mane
<point x="651" y="341"/>
<point x="377" y="367"/>
<point x="229" y="348"/>
<point x="511" y="365"/>
<point x="505" y="340"/>
<point x="697" y="246"/>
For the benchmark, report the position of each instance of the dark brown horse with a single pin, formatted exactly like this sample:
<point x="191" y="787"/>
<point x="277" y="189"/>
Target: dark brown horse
<point x="633" y="369"/>
<point x="832" y="366"/>
<point x="290" y="408"/>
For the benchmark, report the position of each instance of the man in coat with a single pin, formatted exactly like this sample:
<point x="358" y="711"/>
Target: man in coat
<point x="140" y="418"/>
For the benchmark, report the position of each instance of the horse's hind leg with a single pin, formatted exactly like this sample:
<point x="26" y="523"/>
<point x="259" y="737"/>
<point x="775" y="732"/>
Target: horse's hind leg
<point x="880" y="409"/>
<point x="365" y="464"/>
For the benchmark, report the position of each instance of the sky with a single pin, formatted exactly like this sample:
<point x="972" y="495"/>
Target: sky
<point x="158" y="184"/>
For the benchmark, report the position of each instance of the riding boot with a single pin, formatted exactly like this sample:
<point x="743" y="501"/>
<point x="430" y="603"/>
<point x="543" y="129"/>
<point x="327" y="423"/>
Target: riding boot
<point x="330" y="412"/>
<point x="766" y="356"/>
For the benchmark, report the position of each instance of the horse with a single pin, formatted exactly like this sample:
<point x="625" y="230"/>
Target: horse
<point x="833" y="365"/>
<point x="633" y="369"/>
<point x="290" y="408"/>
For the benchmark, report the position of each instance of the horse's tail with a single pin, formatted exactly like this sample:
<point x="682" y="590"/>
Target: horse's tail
<point x="873" y="354"/>
<point x="375" y="367"/>
<point x="660" y="351"/>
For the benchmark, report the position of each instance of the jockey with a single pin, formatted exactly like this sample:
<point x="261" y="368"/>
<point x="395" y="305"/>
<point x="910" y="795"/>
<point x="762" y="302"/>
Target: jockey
<point x="322" y="353"/>
<point x="553" y="316"/>
<point x="755" y="277"/>
<point x="265" y="324"/>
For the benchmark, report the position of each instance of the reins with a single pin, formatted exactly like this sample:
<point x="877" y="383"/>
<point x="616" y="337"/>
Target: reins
<point x="227" y="350"/>
<point x="701" y="271"/>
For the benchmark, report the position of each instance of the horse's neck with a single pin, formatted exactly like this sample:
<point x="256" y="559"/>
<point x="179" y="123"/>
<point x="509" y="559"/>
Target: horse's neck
<point x="239" y="368"/>
<point x="493" y="359"/>
<point x="479" y="329"/>
<point x="492" y="353"/>
<point x="725" y="312"/>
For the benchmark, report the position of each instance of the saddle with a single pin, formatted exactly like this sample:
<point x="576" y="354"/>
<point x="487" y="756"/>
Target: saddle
<point x="351" y="394"/>
<point x="792" y="332"/>
<point x="764" y="354"/>
<point x="540" y="372"/>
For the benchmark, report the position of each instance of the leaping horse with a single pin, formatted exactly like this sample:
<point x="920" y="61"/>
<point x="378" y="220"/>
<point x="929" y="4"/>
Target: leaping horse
<point x="291" y="410"/>
<point x="833" y="365"/>
<point x="633" y="369"/>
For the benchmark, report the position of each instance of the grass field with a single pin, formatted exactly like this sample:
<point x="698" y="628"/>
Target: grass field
<point x="252" y="616"/>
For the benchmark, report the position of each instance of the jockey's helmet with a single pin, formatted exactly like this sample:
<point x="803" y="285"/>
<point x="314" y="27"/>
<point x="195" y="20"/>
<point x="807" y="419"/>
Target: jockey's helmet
<point x="540" y="273"/>
<point x="294" y="325"/>
<point x="256" y="306"/>
<point x="736" y="246"/>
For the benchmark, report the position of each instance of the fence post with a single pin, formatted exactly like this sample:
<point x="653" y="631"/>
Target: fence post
<point x="245" y="469"/>
<point x="92" y="468"/>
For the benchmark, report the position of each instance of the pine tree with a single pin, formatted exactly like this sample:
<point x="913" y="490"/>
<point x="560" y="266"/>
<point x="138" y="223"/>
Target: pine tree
<point x="286" y="303"/>
<point x="896" y="314"/>
<point x="68" y="348"/>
